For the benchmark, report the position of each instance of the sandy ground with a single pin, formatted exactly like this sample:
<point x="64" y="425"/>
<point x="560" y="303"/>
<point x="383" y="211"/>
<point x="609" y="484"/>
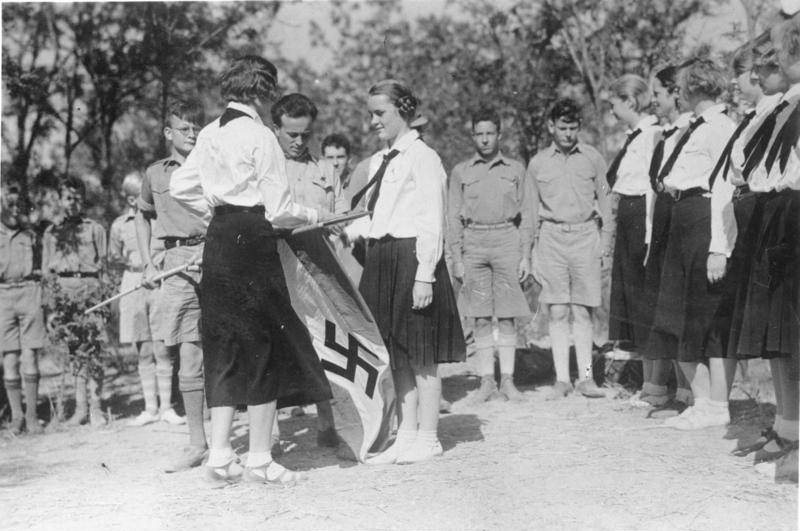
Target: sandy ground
<point x="573" y="464"/>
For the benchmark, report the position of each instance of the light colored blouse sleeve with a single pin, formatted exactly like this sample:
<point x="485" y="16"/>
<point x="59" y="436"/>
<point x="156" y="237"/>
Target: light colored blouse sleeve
<point x="429" y="189"/>
<point x="186" y="187"/>
<point x="273" y="184"/>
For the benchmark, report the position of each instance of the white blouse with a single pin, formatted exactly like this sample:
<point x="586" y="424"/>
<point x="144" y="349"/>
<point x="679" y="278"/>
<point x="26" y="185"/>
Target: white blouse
<point x="239" y="164"/>
<point x="411" y="202"/>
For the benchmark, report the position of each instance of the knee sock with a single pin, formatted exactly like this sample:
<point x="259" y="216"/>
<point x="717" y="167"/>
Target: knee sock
<point x="777" y="426"/>
<point x="164" y="381"/>
<point x="81" y="398"/>
<point x="14" y="394"/>
<point x="506" y="351"/>
<point x="31" y="396"/>
<point x="484" y="352"/>
<point x="582" y="337"/>
<point x="148" y="376"/>
<point x="193" y="403"/>
<point x="559" y="338"/>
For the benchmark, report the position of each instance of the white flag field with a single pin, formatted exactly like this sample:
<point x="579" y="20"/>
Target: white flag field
<point x="346" y="339"/>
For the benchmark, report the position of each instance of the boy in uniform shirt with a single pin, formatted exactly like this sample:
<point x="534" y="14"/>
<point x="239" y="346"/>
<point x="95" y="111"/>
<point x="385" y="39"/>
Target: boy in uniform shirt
<point x="138" y="315"/>
<point x="74" y="253"/>
<point x="312" y="185"/>
<point x="21" y="317"/>
<point x="491" y="235"/>
<point x="170" y="236"/>
<point x="570" y="200"/>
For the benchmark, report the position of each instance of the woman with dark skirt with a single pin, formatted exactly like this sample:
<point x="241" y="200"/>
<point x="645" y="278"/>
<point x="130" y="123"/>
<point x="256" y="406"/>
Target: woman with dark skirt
<point x="256" y="350"/>
<point x="405" y="282"/>
<point x="629" y="180"/>
<point x="657" y="368"/>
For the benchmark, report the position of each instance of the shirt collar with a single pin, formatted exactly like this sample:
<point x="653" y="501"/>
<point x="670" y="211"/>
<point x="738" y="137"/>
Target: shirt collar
<point x="497" y="159"/>
<point x="404" y="142"/>
<point x="683" y="120"/>
<point x="713" y="112"/>
<point x="768" y="102"/>
<point x="555" y="150"/>
<point x="247" y="109"/>
<point x="130" y="214"/>
<point x="648" y="121"/>
<point x="793" y="92"/>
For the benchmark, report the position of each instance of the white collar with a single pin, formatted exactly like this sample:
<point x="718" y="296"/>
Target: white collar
<point x="247" y="109"/>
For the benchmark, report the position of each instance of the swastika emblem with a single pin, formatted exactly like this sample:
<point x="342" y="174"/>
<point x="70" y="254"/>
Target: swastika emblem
<point x="351" y="352"/>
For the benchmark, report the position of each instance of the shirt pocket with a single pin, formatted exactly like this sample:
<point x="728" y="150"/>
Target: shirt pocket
<point x="470" y="188"/>
<point x="509" y="188"/>
<point x="23" y="255"/>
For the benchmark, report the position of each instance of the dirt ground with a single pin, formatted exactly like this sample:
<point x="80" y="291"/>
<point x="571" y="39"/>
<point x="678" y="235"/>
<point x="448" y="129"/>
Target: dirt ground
<point x="573" y="464"/>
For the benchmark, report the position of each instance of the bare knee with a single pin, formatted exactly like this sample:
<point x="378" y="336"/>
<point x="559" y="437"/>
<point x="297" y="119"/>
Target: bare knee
<point x="483" y="326"/>
<point x="506" y="327"/>
<point x="559" y="313"/>
<point x="29" y="364"/>
<point x="581" y="315"/>
<point x="11" y="365"/>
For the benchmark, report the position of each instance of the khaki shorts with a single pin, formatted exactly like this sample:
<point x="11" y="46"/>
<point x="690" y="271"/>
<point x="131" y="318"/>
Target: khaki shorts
<point x="179" y="299"/>
<point x="567" y="263"/>
<point x="138" y="312"/>
<point x="21" y="316"/>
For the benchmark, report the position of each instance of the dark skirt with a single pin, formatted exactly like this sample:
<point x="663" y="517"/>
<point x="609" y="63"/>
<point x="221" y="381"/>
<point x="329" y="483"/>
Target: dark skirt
<point x="769" y="303"/>
<point x="683" y="325"/>
<point x="414" y="338"/>
<point x="627" y="318"/>
<point x="662" y="212"/>
<point x="255" y="348"/>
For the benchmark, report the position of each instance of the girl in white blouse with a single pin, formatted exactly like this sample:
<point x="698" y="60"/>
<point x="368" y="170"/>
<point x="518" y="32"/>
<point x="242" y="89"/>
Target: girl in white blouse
<point x="405" y="282"/>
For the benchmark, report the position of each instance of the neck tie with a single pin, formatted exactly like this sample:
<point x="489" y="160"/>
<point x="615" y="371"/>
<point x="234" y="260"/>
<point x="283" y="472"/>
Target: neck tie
<point x="376" y="180"/>
<point x="755" y="149"/>
<point x="785" y="140"/>
<point x="658" y="157"/>
<point x="611" y="175"/>
<point x="678" y="148"/>
<point x="725" y="158"/>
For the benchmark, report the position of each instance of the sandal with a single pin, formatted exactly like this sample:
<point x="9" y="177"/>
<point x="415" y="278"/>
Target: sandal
<point x="229" y="473"/>
<point x="272" y="474"/>
<point x="767" y="435"/>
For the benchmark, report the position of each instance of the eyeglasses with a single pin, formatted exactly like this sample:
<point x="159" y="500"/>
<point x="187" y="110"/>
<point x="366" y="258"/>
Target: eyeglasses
<point x="187" y="130"/>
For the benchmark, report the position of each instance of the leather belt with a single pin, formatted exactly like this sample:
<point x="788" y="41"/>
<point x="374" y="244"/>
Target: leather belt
<point x="135" y="269"/>
<point x="221" y="210"/>
<point x="740" y="191"/>
<point x="78" y="274"/>
<point x="680" y="195"/>
<point x="23" y="280"/>
<point x="488" y="226"/>
<point x="170" y="243"/>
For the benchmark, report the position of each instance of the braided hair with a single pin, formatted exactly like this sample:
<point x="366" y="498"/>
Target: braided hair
<point x="400" y="96"/>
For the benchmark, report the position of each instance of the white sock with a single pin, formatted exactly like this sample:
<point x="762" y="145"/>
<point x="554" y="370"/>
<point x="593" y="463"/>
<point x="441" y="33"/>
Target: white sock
<point x="219" y="457"/>
<point x="405" y="436"/>
<point x="789" y="430"/>
<point x="653" y="389"/>
<point x="257" y="459"/>
<point x="427" y="436"/>
<point x="777" y="426"/>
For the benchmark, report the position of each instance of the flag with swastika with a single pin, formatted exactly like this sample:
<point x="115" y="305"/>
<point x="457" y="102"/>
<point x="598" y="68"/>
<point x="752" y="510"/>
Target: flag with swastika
<point x="346" y="339"/>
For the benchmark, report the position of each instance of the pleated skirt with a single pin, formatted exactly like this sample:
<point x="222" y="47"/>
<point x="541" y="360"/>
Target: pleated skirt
<point x="627" y="318"/>
<point x="768" y="306"/>
<point x="255" y="347"/>
<point x="414" y="338"/>
<point x="684" y="323"/>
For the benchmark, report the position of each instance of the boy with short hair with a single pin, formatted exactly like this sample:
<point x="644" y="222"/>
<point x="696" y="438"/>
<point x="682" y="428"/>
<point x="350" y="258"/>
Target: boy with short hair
<point x="21" y="318"/>
<point x="137" y="313"/>
<point x="73" y="256"/>
<point x="170" y="236"/>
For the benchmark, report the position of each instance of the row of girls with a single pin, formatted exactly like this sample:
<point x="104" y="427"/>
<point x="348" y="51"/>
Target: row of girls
<point x="706" y="268"/>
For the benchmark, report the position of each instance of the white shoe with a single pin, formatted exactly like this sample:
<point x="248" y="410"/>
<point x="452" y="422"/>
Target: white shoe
<point x="390" y="455"/>
<point x="144" y="418"/>
<point x="688" y="412"/>
<point x="701" y="418"/>
<point x="420" y="451"/>
<point x="170" y="417"/>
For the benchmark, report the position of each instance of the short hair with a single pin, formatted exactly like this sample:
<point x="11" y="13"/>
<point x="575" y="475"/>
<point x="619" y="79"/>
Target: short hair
<point x="132" y="184"/>
<point x="337" y="140"/>
<point x="293" y="106"/>
<point x="486" y="114"/>
<point x="786" y="38"/>
<point x="188" y="111"/>
<point x="704" y="77"/>
<point x="400" y="95"/>
<point x="72" y="182"/>
<point x="567" y="110"/>
<point x="630" y="87"/>
<point x="247" y="78"/>
<point x="668" y="76"/>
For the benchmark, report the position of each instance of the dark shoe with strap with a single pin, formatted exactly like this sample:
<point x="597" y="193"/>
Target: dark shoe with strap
<point x="767" y="435"/>
<point x="673" y="408"/>
<point x="272" y="474"/>
<point x="765" y="455"/>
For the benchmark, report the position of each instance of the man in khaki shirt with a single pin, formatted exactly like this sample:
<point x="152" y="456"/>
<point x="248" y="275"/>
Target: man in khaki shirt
<point x="572" y="231"/>
<point x="312" y="185"/>
<point x="490" y="238"/>
<point x="22" y="330"/>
